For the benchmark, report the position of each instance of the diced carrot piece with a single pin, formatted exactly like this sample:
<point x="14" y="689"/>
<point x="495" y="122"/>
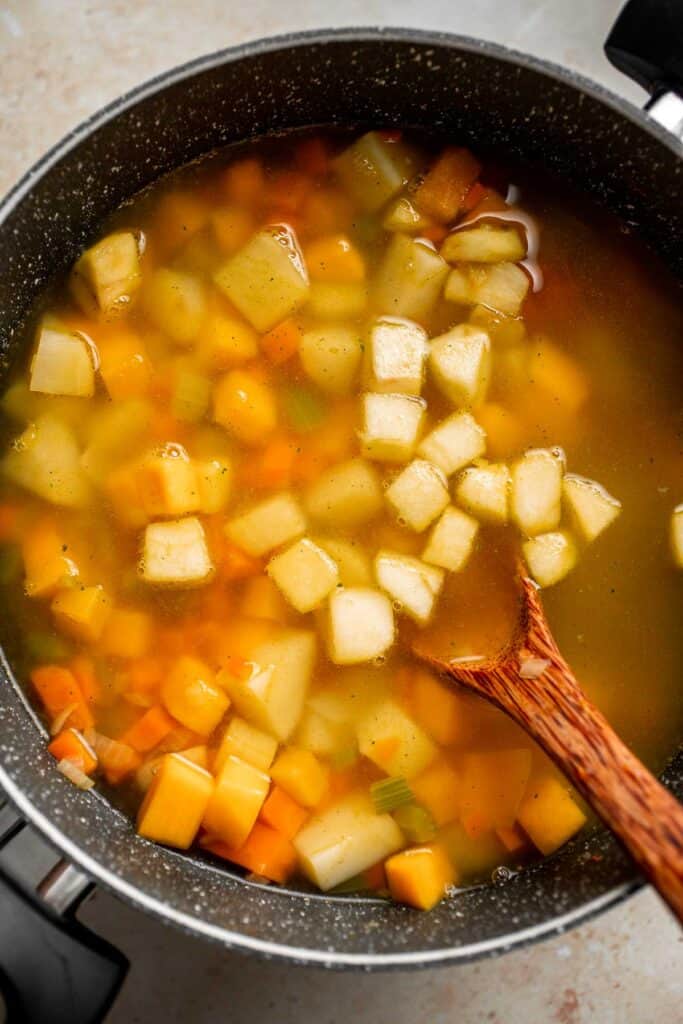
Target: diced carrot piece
<point x="282" y="341"/>
<point x="437" y="708"/>
<point x="124" y="366"/>
<point x="244" y="182"/>
<point x="326" y="211"/>
<point x="434" y="233"/>
<point x="9" y="522"/>
<point x="312" y="156"/>
<point x="127" y="633"/>
<point x="175" y="802"/>
<point x="265" y="852"/>
<point x="287" y="190"/>
<point x="149" y="730"/>
<point x="272" y="468"/>
<point x="438" y="789"/>
<point x="47" y="564"/>
<point x="117" y="760"/>
<point x="283" y="813"/>
<point x="83" y="669"/>
<point x="443" y="189"/>
<point x="513" y="839"/>
<point x="375" y="878"/>
<point x="334" y="258"/>
<point x="476" y="824"/>
<point x="420" y="876"/>
<point x="236" y="564"/>
<point x="57" y="688"/>
<point x="262" y="600"/>
<point x="232" y="226"/>
<point x="473" y="196"/>
<point x="69" y="745"/>
<point x="144" y="674"/>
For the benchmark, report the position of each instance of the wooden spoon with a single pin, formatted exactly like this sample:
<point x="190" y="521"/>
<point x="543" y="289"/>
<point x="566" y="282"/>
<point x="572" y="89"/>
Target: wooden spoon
<point x="531" y="681"/>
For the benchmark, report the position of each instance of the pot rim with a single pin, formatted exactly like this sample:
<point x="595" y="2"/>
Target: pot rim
<point x="57" y="838"/>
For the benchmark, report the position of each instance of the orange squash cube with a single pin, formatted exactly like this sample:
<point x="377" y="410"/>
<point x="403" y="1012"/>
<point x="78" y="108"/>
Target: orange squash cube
<point x="334" y="258"/>
<point x="549" y="814"/>
<point x="438" y="789"/>
<point x="190" y="694"/>
<point x="149" y="730"/>
<point x="226" y="341"/>
<point x="127" y="633"/>
<point x="420" y="876"/>
<point x="265" y="852"/>
<point x="82" y="612"/>
<point x="167" y="483"/>
<point x="438" y="709"/>
<point x="493" y="785"/>
<point x="47" y="564"/>
<point x="175" y="802"/>
<point x="245" y="407"/>
<point x="301" y="775"/>
<point x="282" y="813"/>
<point x="124" y="366"/>
<point x="239" y="794"/>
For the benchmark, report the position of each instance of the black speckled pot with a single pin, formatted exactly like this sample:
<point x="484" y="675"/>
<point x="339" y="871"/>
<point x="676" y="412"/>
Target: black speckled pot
<point x="474" y="91"/>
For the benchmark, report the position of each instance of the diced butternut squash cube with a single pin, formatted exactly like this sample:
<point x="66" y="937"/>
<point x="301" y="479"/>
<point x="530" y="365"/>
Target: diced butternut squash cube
<point x="591" y="508"/>
<point x="373" y="170"/>
<point x="403" y="216"/>
<point x="334" y="258"/>
<point x="501" y="286"/>
<point x="391" y="426"/>
<point x="226" y="341"/>
<point x="175" y="553"/>
<point x="261" y="599"/>
<point x="268" y="525"/>
<point x="409" y="278"/>
<point x="62" y="365"/>
<point x="473" y="856"/>
<point x="353" y="562"/>
<point x="247" y="743"/>
<point x="191" y="695"/>
<point x="344" y="840"/>
<point x="506" y="433"/>
<point x="345" y="496"/>
<point x="438" y="789"/>
<point x="393" y="741"/>
<point x="549" y="814"/>
<point x="454" y="443"/>
<point x="451" y="540"/>
<point x="420" y="876"/>
<point x="536" y="495"/>
<point x="676" y="535"/>
<point x="282" y="813"/>
<point x="413" y="584"/>
<point x="395" y="354"/>
<point x="330" y="356"/>
<point x="239" y="794"/>
<point x="418" y="494"/>
<point x="175" y="802"/>
<point x="360" y="625"/>
<point x="265" y="853"/>
<point x="82" y="611"/>
<point x="47" y="565"/>
<point x="305" y="574"/>
<point x="272" y="695"/>
<point x="175" y="302"/>
<point x="267" y="278"/>
<point x="232" y="226"/>
<point x="442" y="191"/>
<point x="167" y="483"/>
<point x="550" y="556"/>
<point x="438" y="709"/>
<point x="301" y="775"/>
<point x="484" y="243"/>
<point x="124" y="366"/>
<point x="460" y="364"/>
<point x="493" y="784"/>
<point x="245" y="406"/>
<point x="484" y="492"/>
<point x="214" y="479"/>
<point x="328" y="301"/>
<point x="558" y="379"/>
<point x="127" y="633"/>
<point x="108" y="274"/>
<point x="45" y="460"/>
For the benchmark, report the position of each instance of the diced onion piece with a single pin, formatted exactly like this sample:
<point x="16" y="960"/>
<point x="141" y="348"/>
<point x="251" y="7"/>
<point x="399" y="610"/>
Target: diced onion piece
<point x="59" y="720"/>
<point x="74" y="774"/>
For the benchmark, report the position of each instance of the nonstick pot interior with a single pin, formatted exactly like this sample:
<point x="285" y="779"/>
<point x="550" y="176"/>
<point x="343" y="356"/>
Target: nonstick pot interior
<point x="477" y="93"/>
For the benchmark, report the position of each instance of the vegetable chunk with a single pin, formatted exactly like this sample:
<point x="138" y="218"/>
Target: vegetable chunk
<point x="360" y="625"/>
<point x="550" y="557"/>
<point x="373" y="170"/>
<point x="305" y="574"/>
<point x="176" y="554"/>
<point x="62" y="365"/>
<point x="414" y="584"/>
<point x="460" y="363"/>
<point x="391" y="426"/>
<point x="454" y="443"/>
<point x="190" y="694"/>
<point x="501" y="286"/>
<point x="394" y="741"/>
<point x="418" y="494"/>
<point x="347" y="495"/>
<point x="484" y="244"/>
<point x="484" y="492"/>
<point x="451" y="541"/>
<point x="676" y="535"/>
<point x="535" y="500"/>
<point x="45" y="459"/>
<point x="331" y="356"/>
<point x="175" y="803"/>
<point x="108" y="274"/>
<point x="549" y="814"/>
<point x="175" y="303"/>
<point x="395" y="356"/>
<point x="591" y="507"/>
<point x="239" y="793"/>
<point x="409" y="278"/>
<point x="267" y="525"/>
<point x="420" y="876"/>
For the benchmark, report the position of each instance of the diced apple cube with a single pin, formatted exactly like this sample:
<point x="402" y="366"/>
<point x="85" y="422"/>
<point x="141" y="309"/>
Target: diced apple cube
<point x="451" y="541"/>
<point x="395" y="355"/>
<point x="331" y="356"/>
<point x="418" y="494"/>
<point x="305" y="574"/>
<point x="268" y="525"/>
<point x="175" y="303"/>
<point x="267" y="278"/>
<point x="214" y="478"/>
<point x="454" y="443"/>
<point x="501" y="286"/>
<point x="414" y="584"/>
<point x="550" y="556"/>
<point x="344" y="840"/>
<point x="391" y="426"/>
<point x="272" y="697"/>
<point x="484" y="244"/>
<point x="536" y="495"/>
<point x="360" y="625"/>
<point x="353" y="563"/>
<point x="108" y="274"/>
<point x="394" y="741"/>
<point x="403" y="216"/>
<point x="484" y="492"/>
<point x="676" y="534"/>
<point x="591" y="508"/>
<point x="460" y="363"/>
<point x="62" y="365"/>
<point x="373" y="170"/>
<point x="346" y="495"/>
<point x="167" y="483"/>
<point x="45" y="459"/>
<point x="175" y="553"/>
<point x="409" y="278"/>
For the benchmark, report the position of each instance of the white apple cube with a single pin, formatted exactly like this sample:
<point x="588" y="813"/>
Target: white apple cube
<point x="395" y="354"/>
<point x="268" y="525"/>
<point x="500" y="286"/>
<point x="360" y="625"/>
<point x="62" y="365"/>
<point x="331" y="356"/>
<point x="484" y="492"/>
<point x="451" y="541"/>
<point x="415" y="585"/>
<point x="108" y="274"/>
<point x="267" y="278"/>
<point x="353" y="563"/>
<point x="402" y="215"/>
<point x="550" y="556"/>
<point x="454" y="443"/>
<point x="418" y="494"/>
<point x="176" y="554"/>
<point x="410" y="749"/>
<point x="373" y="170"/>
<point x="460" y="364"/>
<point x="45" y="460"/>
<point x="484" y="243"/>
<point x="536" y="491"/>
<point x="214" y="478"/>
<point x="391" y="426"/>
<point x="591" y="508"/>
<point x="321" y="735"/>
<point x="345" y="496"/>
<point x="409" y="278"/>
<point x="305" y="574"/>
<point x="676" y="535"/>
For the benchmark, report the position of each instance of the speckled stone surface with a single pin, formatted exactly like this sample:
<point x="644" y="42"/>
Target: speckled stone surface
<point x="59" y="62"/>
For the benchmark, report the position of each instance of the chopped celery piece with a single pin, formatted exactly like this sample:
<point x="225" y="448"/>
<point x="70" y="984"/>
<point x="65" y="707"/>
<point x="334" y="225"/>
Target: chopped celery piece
<point x="41" y="646"/>
<point x="11" y="564"/>
<point x="388" y="794"/>
<point x="415" y="822"/>
<point x="191" y="395"/>
<point x="303" y="408"/>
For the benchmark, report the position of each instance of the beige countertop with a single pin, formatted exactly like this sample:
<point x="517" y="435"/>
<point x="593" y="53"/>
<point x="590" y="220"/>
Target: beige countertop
<point x="59" y="61"/>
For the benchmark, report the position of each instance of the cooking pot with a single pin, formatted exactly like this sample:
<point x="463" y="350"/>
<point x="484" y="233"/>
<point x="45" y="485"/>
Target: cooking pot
<point x="477" y="93"/>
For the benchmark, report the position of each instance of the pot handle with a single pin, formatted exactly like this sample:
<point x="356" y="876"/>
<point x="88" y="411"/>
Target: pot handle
<point x="51" y="967"/>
